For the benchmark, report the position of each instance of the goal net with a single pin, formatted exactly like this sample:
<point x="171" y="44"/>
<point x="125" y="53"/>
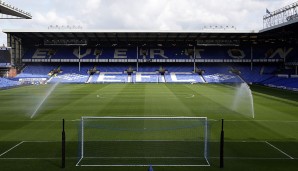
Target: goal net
<point x="143" y="141"/>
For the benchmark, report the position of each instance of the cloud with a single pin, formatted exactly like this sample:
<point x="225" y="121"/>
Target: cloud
<point x="92" y="5"/>
<point x="53" y="18"/>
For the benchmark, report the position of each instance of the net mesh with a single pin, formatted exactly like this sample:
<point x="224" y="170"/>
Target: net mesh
<point x="143" y="141"/>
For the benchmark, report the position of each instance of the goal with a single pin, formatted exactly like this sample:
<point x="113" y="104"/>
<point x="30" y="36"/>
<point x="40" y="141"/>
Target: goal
<point x="143" y="141"/>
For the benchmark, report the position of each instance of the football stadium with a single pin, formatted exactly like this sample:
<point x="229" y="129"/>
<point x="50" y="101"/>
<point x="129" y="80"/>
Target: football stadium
<point x="212" y="99"/>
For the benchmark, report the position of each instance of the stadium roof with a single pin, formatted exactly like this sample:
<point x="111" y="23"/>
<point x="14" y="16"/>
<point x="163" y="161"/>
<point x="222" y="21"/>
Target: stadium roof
<point x="116" y="36"/>
<point x="11" y="12"/>
<point x="285" y="31"/>
<point x="123" y="37"/>
<point x="288" y="26"/>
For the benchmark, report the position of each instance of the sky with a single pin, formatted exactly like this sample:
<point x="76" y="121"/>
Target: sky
<point x="175" y="15"/>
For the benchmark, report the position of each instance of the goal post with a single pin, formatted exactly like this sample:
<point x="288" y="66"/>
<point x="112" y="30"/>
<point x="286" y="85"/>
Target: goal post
<point x="143" y="141"/>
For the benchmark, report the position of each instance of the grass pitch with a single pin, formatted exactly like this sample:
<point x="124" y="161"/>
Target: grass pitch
<point x="267" y="142"/>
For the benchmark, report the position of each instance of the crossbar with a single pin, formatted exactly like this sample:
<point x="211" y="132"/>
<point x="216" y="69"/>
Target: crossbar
<point x="145" y="117"/>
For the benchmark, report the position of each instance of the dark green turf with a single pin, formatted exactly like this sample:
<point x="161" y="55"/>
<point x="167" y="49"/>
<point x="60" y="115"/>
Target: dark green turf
<point x="248" y="140"/>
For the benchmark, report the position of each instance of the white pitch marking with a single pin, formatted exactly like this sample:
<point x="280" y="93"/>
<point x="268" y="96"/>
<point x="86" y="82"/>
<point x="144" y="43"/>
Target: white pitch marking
<point x="279" y="150"/>
<point x="273" y="121"/>
<point x="207" y="165"/>
<point x="51" y="158"/>
<point x="12" y="148"/>
<point x="252" y="158"/>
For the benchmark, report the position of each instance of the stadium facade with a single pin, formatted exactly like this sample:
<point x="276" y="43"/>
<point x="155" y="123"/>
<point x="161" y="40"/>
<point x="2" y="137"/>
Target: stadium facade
<point x="211" y="55"/>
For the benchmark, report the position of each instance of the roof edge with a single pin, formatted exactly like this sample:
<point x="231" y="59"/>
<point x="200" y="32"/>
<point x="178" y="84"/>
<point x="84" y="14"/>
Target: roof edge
<point x="122" y="31"/>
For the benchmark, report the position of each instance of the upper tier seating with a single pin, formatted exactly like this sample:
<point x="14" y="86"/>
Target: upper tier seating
<point x="161" y="53"/>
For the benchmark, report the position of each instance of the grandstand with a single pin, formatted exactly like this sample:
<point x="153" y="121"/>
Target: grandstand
<point x="257" y="57"/>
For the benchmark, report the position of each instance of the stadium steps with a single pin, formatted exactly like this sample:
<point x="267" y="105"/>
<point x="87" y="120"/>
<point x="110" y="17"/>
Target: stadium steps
<point x="162" y="80"/>
<point x="262" y="70"/>
<point x="49" y="80"/>
<point x="239" y="76"/>
<point x="129" y="79"/>
<point x="202" y="78"/>
<point x="23" y="68"/>
<point x="89" y="79"/>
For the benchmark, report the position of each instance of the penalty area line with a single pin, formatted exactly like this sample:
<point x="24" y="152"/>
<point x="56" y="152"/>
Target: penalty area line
<point x="37" y="158"/>
<point x="11" y="148"/>
<point x="279" y="150"/>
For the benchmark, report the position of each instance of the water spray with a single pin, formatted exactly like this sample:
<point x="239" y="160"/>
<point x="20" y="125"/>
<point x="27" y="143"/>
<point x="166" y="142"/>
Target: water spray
<point x="44" y="99"/>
